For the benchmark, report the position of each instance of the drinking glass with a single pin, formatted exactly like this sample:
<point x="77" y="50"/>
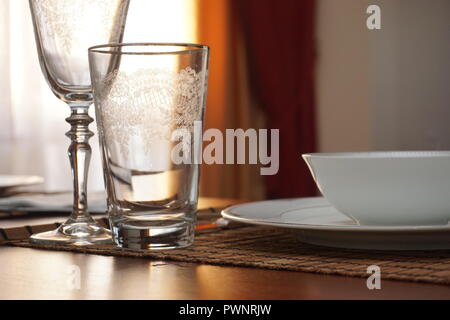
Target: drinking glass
<point x="149" y="104"/>
<point x="64" y="30"/>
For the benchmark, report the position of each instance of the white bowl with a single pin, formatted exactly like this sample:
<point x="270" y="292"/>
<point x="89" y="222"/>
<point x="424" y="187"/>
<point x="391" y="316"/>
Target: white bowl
<point x="410" y="188"/>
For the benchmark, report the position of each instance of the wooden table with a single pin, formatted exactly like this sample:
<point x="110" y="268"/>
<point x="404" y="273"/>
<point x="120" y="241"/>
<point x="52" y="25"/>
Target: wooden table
<point x="39" y="274"/>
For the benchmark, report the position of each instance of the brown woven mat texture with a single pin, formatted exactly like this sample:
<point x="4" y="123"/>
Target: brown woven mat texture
<point x="268" y="248"/>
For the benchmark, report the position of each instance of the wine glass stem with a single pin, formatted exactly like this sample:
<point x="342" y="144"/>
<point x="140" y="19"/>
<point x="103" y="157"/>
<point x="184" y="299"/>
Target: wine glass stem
<point x="80" y="156"/>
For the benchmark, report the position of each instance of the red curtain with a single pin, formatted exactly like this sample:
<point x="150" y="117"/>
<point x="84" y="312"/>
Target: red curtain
<point x="281" y="54"/>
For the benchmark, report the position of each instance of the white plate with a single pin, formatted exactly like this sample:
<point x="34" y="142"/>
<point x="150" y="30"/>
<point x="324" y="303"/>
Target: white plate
<point x="315" y="221"/>
<point x="10" y="181"/>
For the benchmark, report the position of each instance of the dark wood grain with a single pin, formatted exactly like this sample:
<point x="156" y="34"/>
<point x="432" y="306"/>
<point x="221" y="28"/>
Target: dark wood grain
<point x="38" y="274"/>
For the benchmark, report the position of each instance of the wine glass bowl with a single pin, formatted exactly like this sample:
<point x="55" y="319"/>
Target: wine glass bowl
<point x="64" y="30"/>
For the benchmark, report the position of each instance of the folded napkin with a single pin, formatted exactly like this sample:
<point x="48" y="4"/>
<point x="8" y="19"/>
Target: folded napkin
<point x="61" y="202"/>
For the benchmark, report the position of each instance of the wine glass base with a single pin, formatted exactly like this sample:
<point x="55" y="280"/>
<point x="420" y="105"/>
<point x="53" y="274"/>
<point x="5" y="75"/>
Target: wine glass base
<point x="77" y="234"/>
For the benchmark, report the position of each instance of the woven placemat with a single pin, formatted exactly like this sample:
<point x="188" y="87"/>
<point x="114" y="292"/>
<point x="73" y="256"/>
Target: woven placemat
<point x="269" y="248"/>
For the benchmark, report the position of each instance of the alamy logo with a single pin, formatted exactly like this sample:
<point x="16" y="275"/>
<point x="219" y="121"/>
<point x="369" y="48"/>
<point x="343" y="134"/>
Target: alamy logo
<point x="251" y="144"/>
<point x="374" y="280"/>
<point x="374" y="20"/>
<point x="161" y="107"/>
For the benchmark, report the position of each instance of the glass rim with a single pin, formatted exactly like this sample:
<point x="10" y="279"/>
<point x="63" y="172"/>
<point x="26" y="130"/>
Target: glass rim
<point x="184" y="48"/>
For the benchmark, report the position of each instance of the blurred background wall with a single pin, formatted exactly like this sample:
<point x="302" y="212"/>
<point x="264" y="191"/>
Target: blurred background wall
<point x="382" y="89"/>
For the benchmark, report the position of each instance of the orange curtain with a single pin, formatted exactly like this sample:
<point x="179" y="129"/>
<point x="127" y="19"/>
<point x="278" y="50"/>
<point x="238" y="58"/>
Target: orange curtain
<point x="229" y="103"/>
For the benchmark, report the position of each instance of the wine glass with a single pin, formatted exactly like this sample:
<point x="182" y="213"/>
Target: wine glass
<point x="64" y="30"/>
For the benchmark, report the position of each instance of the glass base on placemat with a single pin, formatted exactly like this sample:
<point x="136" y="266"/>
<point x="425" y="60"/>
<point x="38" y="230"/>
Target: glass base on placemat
<point x="74" y="233"/>
<point x="152" y="235"/>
